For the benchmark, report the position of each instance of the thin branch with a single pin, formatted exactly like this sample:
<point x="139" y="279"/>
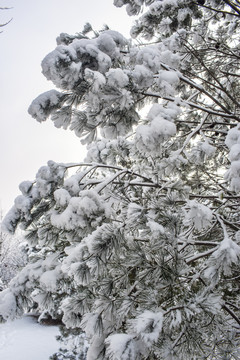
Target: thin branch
<point x="219" y="87"/>
<point x="230" y="312"/>
<point x="1" y="25"/>
<point x="194" y="132"/>
<point x="197" y="86"/>
<point x="199" y="256"/>
<point x="97" y="165"/>
<point x="233" y="305"/>
<point x="228" y="2"/>
<point x="71" y="165"/>
<point x="222" y="226"/>
<point x="218" y="11"/>
<point x="229" y="73"/>
<point x="181" y="307"/>
<point x="193" y="105"/>
<point x="201" y="243"/>
<point x="178" y="338"/>
<point x="156" y="185"/>
<point x="231" y="224"/>
<point x="108" y="181"/>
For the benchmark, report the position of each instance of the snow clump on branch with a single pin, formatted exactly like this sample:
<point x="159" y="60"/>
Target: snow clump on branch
<point x="87" y="210"/>
<point x="65" y="66"/>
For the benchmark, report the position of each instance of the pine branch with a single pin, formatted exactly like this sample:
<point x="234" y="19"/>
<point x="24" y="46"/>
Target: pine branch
<point x="193" y="105"/>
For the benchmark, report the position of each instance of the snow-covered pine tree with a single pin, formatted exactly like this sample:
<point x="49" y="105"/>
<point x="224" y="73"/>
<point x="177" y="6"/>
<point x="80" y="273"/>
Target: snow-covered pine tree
<point x="140" y="247"/>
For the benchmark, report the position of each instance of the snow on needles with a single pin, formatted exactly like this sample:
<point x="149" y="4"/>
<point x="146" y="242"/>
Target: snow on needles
<point x="65" y="65"/>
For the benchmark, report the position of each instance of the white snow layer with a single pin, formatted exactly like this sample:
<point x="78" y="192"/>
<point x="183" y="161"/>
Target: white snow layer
<point x="25" y="339"/>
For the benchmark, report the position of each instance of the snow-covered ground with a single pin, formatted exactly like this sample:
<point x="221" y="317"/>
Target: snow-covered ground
<point x="25" y="339"/>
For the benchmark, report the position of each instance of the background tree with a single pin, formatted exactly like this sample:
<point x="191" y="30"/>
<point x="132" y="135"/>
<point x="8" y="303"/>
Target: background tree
<point x="13" y="255"/>
<point x="140" y="247"/>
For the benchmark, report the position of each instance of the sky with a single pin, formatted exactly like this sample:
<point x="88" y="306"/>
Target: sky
<point x="26" y="145"/>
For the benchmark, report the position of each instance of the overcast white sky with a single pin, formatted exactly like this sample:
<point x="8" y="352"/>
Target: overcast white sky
<point x="25" y="145"/>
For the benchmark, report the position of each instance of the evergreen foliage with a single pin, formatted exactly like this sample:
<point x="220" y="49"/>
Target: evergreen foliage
<point x="140" y="247"/>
